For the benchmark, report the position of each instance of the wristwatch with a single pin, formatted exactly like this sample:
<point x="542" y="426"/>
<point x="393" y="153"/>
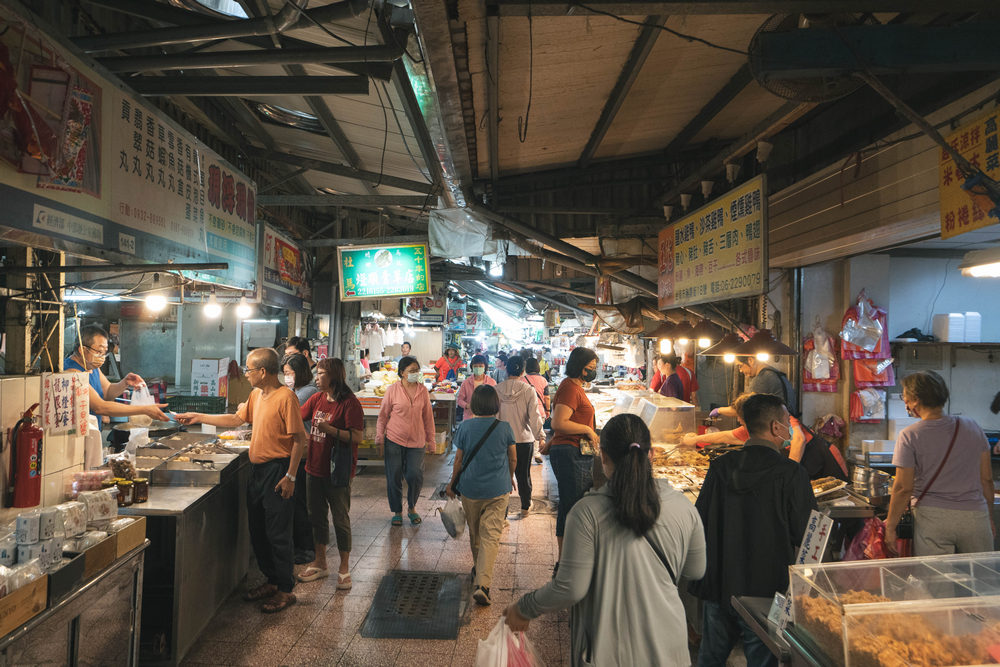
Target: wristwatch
<point x="290" y="477"/>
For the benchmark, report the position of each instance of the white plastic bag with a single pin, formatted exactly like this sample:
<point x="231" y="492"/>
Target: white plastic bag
<point x="453" y="517"/>
<point x="821" y="358"/>
<point x="865" y="331"/>
<point x="505" y="648"/>
<point x="141" y="396"/>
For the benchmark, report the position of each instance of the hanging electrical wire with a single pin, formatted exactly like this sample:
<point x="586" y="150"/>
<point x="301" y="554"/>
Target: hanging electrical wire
<point x="522" y="121"/>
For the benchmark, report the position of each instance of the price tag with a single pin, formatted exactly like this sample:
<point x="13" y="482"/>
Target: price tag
<point x="815" y="538"/>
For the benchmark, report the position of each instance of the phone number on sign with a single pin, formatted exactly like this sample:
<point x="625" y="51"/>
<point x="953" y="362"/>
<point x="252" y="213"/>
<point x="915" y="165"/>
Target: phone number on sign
<point x="738" y="283"/>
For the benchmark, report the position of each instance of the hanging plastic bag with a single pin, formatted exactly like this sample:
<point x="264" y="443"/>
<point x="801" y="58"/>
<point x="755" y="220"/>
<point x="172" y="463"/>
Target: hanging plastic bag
<point x="453" y="517"/>
<point x="862" y="329"/>
<point x="506" y="648"/>
<point x="869" y="543"/>
<point x="821" y="359"/>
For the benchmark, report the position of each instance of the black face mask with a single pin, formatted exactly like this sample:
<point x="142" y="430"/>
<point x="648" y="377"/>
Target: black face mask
<point x="589" y="375"/>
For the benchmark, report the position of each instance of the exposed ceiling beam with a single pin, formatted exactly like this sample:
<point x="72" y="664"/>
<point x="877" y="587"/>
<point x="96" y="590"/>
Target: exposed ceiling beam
<point x="290" y="17"/>
<point x="545" y="297"/>
<point x="248" y="86"/>
<point x="711" y="109"/>
<point x="779" y="120"/>
<point x="415" y="117"/>
<point x="883" y="49"/>
<point x="640" y="51"/>
<point x="680" y="7"/>
<point x="248" y="58"/>
<point x="341" y="170"/>
<point x="332" y="243"/>
<point x="554" y="288"/>
<point x="341" y="200"/>
<point x="493" y="94"/>
<point x="562" y="210"/>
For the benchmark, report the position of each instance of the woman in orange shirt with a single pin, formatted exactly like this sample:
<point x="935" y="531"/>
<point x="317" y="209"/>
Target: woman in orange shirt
<point x="449" y="362"/>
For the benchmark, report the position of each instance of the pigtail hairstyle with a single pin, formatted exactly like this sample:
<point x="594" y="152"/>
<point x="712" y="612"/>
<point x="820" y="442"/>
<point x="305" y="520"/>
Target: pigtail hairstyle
<point x="625" y="440"/>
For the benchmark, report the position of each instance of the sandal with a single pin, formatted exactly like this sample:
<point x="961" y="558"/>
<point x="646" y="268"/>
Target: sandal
<point x="414" y="518"/>
<point x="276" y="604"/>
<point x="397" y="519"/>
<point x="312" y="573"/>
<point x="343" y="581"/>
<point x="261" y="592"/>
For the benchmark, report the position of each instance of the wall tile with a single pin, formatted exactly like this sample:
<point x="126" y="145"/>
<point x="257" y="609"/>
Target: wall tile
<point x="32" y="391"/>
<point x="54" y="454"/>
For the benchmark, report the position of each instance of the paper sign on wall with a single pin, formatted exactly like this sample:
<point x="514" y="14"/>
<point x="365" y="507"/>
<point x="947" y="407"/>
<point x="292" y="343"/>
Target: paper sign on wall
<point x="65" y="403"/>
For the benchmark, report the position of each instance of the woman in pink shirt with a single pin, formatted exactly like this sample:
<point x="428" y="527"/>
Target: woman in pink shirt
<point x="405" y="426"/>
<point x="477" y="379"/>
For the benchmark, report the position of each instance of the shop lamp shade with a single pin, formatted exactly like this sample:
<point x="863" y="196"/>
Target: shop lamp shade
<point x="725" y="346"/>
<point x="683" y="332"/>
<point x="665" y="330"/>
<point x="706" y="333"/>
<point x="981" y="263"/>
<point x="763" y="345"/>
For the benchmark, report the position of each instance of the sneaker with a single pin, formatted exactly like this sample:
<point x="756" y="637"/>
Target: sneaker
<point x="525" y="511"/>
<point x="482" y="596"/>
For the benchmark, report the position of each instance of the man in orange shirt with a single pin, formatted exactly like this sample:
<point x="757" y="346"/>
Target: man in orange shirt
<point x="276" y="446"/>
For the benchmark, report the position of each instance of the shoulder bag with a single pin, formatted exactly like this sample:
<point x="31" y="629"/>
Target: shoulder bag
<point x="662" y="557"/>
<point x="904" y="529"/>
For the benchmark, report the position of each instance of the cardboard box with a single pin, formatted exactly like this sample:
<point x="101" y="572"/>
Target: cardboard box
<point x="66" y="579"/>
<point x="23" y="605"/>
<point x="99" y="556"/>
<point x="131" y="536"/>
<point x="210" y="377"/>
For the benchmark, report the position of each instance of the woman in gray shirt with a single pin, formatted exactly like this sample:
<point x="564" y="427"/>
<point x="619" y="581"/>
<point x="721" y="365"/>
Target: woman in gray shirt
<point x="625" y="546"/>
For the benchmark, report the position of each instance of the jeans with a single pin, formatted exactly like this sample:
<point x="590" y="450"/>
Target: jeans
<point x="322" y="494"/>
<point x="270" y="517"/>
<point x="522" y="473"/>
<point x="302" y="536"/>
<point x="721" y="629"/>
<point x="403" y="462"/>
<point x="573" y="477"/>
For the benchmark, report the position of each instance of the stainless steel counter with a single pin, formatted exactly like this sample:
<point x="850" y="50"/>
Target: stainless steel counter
<point x="200" y="553"/>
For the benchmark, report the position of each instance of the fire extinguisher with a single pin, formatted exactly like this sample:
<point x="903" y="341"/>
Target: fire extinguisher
<point x="25" y="488"/>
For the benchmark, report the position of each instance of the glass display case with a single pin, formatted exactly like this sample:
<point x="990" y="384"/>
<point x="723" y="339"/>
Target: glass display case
<point x="667" y="418"/>
<point x="937" y="610"/>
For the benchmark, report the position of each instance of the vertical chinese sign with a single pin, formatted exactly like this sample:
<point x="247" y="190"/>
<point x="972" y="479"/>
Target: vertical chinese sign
<point x="383" y="271"/>
<point x="979" y="143"/>
<point x="717" y="252"/>
<point x="283" y="272"/>
<point x="65" y="403"/>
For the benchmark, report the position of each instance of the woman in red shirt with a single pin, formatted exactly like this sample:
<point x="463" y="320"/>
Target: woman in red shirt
<point x="337" y="424"/>
<point x="573" y="422"/>
<point x="449" y="362"/>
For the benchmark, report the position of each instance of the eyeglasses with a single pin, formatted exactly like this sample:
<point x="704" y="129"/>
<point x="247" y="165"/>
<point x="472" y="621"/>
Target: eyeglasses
<point x="247" y="370"/>
<point x="99" y="353"/>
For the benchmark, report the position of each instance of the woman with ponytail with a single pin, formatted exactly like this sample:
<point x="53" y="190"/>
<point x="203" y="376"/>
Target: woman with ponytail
<point x="626" y="545"/>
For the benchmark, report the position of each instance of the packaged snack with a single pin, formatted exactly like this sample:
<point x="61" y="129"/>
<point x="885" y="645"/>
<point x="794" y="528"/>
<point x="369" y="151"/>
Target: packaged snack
<point x="50" y="519"/>
<point x="98" y="525"/>
<point x="101" y="505"/>
<point x="5" y="576"/>
<point x="29" y="552"/>
<point x="27" y="526"/>
<point x="56" y="554"/>
<point x="122" y="467"/>
<point x="46" y="554"/>
<point x="23" y="574"/>
<point x="74" y="517"/>
<point x="8" y="549"/>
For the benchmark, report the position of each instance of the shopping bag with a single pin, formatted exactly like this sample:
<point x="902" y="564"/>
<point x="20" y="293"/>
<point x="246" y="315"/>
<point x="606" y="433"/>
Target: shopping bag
<point x="453" y="517"/>
<point x="506" y="648"/>
<point x="869" y="543"/>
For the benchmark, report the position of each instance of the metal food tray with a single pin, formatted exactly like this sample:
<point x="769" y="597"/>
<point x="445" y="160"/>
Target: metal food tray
<point x="201" y="470"/>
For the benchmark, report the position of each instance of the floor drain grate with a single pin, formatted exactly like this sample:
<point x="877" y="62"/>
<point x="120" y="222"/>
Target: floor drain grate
<point x="415" y="605"/>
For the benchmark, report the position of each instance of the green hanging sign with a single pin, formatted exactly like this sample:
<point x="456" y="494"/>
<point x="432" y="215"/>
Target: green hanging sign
<point x="383" y="271"/>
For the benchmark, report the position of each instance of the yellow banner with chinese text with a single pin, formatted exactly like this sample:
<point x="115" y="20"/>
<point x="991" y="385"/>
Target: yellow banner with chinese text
<point x="979" y="143"/>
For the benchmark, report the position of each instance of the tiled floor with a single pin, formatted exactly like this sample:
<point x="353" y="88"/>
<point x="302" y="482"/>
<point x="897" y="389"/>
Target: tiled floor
<point x="323" y="627"/>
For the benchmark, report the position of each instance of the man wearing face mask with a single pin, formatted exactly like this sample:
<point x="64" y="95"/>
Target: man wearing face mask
<point x="477" y="379"/>
<point x="756" y="487"/>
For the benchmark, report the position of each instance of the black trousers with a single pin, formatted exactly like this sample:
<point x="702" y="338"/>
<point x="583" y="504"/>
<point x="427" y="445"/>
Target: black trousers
<point x="302" y="536"/>
<point x="271" y="518"/>
<point x="522" y="472"/>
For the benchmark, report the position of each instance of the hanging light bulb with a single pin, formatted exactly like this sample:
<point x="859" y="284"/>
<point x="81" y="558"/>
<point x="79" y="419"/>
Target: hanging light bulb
<point x="212" y="309"/>
<point x="244" y="309"/>
<point x="666" y="346"/>
<point x="729" y="357"/>
<point x="763" y="356"/>
<point x="704" y="343"/>
<point x="155" y="301"/>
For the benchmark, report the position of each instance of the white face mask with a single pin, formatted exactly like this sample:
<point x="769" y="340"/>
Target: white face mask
<point x="290" y="381"/>
<point x="415" y="377"/>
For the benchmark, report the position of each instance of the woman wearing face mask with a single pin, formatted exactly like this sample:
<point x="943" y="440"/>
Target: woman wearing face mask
<point x="404" y="428"/>
<point x="573" y="433"/>
<point x="298" y="378"/>
<point x="449" y="364"/>
<point x="477" y="379"/>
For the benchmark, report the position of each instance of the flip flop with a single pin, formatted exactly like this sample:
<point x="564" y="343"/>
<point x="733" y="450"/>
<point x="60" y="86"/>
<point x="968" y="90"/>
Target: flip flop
<point x="273" y="606"/>
<point x="343" y="581"/>
<point x="414" y="518"/>
<point x="312" y="574"/>
<point x="397" y="520"/>
<point x="261" y="592"/>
